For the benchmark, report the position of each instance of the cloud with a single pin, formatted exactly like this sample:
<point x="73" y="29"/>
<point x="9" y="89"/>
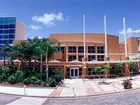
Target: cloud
<point x="49" y="19"/>
<point x="35" y="27"/>
<point x="130" y="31"/>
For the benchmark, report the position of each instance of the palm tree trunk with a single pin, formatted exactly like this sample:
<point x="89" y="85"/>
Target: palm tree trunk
<point x="34" y="67"/>
<point x="4" y="58"/>
<point x="47" y="73"/>
<point x="41" y="71"/>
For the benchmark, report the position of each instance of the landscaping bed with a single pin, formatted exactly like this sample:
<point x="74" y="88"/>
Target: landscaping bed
<point x="30" y="78"/>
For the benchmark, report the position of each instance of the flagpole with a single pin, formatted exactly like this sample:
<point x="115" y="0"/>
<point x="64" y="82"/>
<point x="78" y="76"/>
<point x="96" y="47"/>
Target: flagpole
<point x="84" y="36"/>
<point x="125" y="40"/>
<point x="105" y="33"/>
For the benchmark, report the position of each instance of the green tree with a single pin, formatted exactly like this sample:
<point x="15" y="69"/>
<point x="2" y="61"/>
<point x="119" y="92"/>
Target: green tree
<point x="99" y="71"/>
<point x="44" y="48"/>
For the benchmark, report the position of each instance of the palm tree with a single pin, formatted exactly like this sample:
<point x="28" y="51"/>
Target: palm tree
<point x="5" y="52"/>
<point x="44" y="48"/>
<point x="51" y="48"/>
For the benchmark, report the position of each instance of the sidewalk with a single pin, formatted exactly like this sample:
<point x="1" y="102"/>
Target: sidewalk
<point x="28" y="91"/>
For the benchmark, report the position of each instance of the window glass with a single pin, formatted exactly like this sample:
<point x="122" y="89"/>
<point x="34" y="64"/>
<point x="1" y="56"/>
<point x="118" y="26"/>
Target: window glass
<point x="80" y="57"/>
<point x="10" y="41"/>
<point x="6" y="26"/>
<point x="1" y="26"/>
<point x="6" y="31"/>
<point x="5" y="41"/>
<point x="11" y="31"/>
<point x="5" y="36"/>
<point x="72" y="49"/>
<point x="91" y="57"/>
<point x="91" y="71"/>
<point x="91" y="49"/>
<point x="12" y="26"/>
<point x="100" y="49"/>
<point x="1" y="31"/>
<point x="80" y="49"/>
<point x="100" y="57"/>
<point x="11" y="36"/>
<point x="72" y="57"/>
<point x="61" y="49"/>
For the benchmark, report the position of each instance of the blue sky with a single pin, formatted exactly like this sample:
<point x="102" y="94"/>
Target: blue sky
<point x="42" y="17"/>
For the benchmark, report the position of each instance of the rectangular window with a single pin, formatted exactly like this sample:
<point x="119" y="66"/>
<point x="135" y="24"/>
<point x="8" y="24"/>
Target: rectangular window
<point x="5" y="41"/>
<point x="10" y="41"/>
<point x="80" y="71"/>
<point x="91" y="71"/>
<point x="1" y="26"/>
<point x="6" y="31"/>
<point x="72" y="49"/>
<point x="91" y="57"/>
<point x="80" y="49"/>
<point x="80" y="57"/>
<point x="100" y="57"/>
<point x="1" y="31"/>
<point x="91" y="49"/>
<point x="6" y="26"/>
<point x="11" y="36"/>
<point x="61" y="49"/>
<point x="72" y="57"/>
<point x="100" y="49"/>
<point x="12" y="26"/>
<point x="11" y="31"/>
<point x="1" y="42"/>
<point x="5" y="36"/>
<point x="12" y="20"/>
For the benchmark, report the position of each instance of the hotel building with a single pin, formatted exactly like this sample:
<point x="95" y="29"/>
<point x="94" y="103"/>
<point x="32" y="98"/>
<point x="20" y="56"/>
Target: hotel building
<point x="10" y="30"/>
<point x="71" y="52"/>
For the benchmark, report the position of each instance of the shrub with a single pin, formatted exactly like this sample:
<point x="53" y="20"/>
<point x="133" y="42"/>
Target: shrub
<point x="58" y="75"/>
<point x="6" y="69"/>
<point x="4" y="77"/>
<point x="12" y="79"/>
<point x="119" y="69"/>
<point x="27" y="80"/>
<point x="38" y="75"/>
<point x="38" y="82"/>
<point x="19" y="75"/>
<point x="52" y="82"/>
<point x="99" y="70"/>
<point x="132" y="66"/>
<point x="1" y="78"/>
<point x="27" y="72"/>
<point x="34" y="80"/>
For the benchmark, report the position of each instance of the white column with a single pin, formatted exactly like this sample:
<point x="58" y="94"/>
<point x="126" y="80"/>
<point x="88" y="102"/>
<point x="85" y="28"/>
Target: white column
<point x="125" y="39"/>
<point x="105" y="33"/>
<point x="84" y="36"/>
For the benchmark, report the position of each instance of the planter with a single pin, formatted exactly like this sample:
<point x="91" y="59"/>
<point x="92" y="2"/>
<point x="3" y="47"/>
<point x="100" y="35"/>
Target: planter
<point x="127" y="84"/>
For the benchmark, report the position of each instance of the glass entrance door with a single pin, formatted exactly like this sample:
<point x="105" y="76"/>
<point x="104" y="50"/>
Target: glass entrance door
<point x="74" y="73"/>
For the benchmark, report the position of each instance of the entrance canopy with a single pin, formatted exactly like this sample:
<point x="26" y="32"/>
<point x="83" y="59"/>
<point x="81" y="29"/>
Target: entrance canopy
<point x="135" y="57"/>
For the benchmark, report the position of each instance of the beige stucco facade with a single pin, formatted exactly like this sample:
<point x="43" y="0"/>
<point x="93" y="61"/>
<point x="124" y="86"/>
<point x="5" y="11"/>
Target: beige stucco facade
<point x="115" y="51"/>
<point x="20" y="31"/>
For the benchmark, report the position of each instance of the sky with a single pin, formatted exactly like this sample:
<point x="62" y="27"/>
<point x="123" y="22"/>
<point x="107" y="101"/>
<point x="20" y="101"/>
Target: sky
<point x="44" y="17"/>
